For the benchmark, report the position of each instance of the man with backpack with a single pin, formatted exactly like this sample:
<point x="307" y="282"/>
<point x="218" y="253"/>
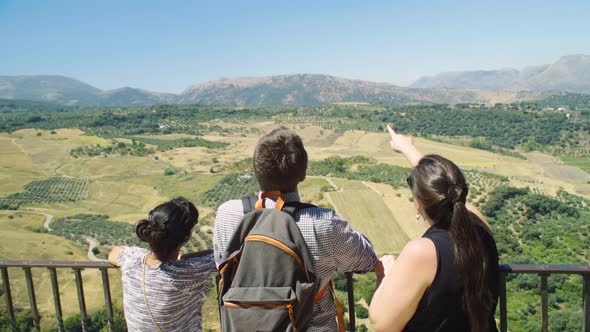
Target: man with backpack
<point x="274" y="276"/>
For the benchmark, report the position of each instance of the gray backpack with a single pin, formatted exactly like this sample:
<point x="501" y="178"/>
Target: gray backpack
<point x="267" y="279"/>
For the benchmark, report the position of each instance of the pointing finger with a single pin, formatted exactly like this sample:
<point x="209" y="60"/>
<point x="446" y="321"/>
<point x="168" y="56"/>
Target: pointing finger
<point x="391" y="131"/>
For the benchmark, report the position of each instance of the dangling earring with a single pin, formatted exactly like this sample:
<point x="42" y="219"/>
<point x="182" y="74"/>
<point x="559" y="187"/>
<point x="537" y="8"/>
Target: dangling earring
<point x="418" y="216"/>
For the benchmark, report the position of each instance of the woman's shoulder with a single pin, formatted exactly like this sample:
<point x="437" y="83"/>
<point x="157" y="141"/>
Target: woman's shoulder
<point x="420" y="259"/>
<point x="130" y="255"/>
<point x="199" y="264"/>
<point x="133" y="252"/>
<point x="420" y="251"/>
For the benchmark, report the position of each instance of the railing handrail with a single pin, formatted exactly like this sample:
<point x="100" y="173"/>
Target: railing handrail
<point x="58" y="264"/>
<point x="510" y="268"/>
<point x="543" y="270"/>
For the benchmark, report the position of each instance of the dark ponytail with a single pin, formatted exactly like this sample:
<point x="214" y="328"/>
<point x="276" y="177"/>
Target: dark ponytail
<point x="440" y="188"/>
<point x="472" y="263"/>
<point x="168" y="226"/>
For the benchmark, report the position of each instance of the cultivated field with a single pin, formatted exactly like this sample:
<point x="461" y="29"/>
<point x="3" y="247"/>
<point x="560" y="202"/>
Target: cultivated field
<point x="368" y="214"/>
<point x="126" y="187"/>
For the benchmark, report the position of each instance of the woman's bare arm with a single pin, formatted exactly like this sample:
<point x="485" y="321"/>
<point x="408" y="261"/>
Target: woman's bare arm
<point x="403" y="143"/>
<point x="406" y="279"/>
<point x="114" y="255"/>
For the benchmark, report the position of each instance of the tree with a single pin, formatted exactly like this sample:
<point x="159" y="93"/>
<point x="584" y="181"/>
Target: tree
<point x="361" y="311"/>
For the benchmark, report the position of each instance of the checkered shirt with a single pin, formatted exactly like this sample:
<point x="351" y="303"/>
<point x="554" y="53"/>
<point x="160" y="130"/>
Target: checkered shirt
<point x="332" y="243"/>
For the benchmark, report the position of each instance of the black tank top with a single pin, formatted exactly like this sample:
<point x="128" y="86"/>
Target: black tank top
<point x="441" y="306"/>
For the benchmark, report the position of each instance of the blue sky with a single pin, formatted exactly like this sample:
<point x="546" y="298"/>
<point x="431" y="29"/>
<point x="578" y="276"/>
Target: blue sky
<point x="169" y="45"/>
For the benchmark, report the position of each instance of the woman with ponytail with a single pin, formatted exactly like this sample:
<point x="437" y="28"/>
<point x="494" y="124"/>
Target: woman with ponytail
<point x="162" y="290"/>
<point x="448" y="279"/>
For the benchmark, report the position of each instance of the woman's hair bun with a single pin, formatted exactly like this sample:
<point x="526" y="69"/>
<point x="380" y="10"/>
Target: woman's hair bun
<point x="149" y="230"/>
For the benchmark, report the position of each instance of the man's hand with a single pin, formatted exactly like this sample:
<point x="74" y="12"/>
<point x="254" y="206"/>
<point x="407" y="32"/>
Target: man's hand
<point x="383" y="266"/>
<point x="379" y="271"/>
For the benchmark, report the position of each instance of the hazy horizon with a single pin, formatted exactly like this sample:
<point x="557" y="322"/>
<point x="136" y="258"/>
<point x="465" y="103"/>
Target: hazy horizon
<point x="167" y="47"/>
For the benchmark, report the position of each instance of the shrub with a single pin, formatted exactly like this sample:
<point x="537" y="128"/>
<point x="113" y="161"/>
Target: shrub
<point x="361" y="311"/>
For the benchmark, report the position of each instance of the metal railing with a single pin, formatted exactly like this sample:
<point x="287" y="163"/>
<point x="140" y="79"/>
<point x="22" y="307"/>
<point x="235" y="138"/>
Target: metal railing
<point x="542" y="270"/>
<point x="52" y="266"/>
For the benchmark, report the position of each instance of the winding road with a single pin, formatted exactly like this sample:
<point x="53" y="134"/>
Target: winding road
<point x="48" y="218"/>
<point x="93" y="243"/>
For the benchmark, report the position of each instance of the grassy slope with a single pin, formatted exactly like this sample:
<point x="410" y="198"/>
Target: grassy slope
<point x="16" y="168"/>
<point x="582" y="163"/>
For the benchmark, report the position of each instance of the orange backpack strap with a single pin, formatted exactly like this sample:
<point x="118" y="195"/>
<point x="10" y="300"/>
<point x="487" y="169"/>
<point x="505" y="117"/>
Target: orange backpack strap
<point x="339" y="308"/>
<point x="280" y="200"/>
<point x="321" y="293"/>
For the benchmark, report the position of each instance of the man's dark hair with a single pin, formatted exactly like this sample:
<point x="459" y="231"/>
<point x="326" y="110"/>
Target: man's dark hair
<point x="280" y="160"/>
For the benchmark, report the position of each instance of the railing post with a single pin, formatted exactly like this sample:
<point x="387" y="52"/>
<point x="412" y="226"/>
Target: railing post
<point x="107" y="298"/>
<point x="56" y="299"/>
<point x="351" y="314"/>
<point x="586" y="302"/>
<point x="503" y="315"/>
<point x="81" y="301"/>
<point x="32" y="298"/>
<point x="544" y="304"/>
<point x="8" y="295"/>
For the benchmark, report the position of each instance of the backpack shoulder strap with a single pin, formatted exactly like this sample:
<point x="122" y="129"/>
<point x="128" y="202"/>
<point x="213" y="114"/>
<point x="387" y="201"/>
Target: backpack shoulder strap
<point x="291" y="207"/>
<point x="248" y="203"/>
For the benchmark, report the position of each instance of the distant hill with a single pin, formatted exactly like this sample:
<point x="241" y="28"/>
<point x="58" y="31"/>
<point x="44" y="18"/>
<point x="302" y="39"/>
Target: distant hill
<point x="570" y="73"/>
<point x="130" y="96"/>
<point x="314" y="89"/>
<point x="301" y="89"/>
<point x="57" y="89"/>
<point x="69" y="91"/>
<point x="298" y="89"/>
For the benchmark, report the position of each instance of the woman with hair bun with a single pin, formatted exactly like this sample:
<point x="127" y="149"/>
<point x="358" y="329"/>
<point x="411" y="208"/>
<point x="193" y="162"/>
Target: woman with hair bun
<point x="448" y="279"/>
<point x="163" y="291"/>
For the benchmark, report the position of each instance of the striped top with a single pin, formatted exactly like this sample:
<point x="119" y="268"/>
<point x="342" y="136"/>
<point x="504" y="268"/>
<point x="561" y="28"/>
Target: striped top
<point x="332" y="243"/>
<point x="175" y="290"/>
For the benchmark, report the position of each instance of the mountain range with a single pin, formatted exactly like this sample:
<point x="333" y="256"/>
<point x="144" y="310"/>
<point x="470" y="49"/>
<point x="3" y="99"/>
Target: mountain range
<point x="570" y="73"/>
<point x="69" y="91"/>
